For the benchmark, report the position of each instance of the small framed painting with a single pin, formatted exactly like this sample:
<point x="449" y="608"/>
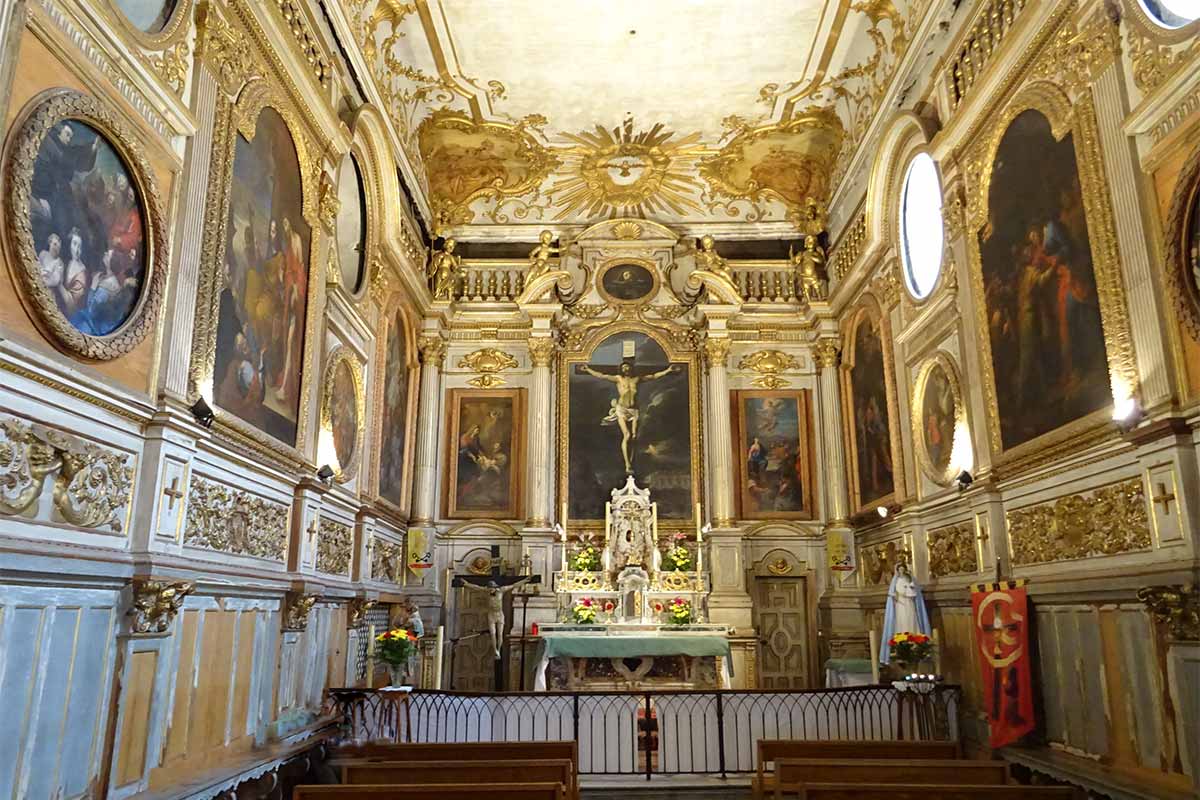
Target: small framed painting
<point x="774" y="454"/>
<point x="484" y="453"/>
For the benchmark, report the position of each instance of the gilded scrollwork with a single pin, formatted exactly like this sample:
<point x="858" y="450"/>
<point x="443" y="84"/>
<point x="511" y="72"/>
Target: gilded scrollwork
<point x="93" y="485"/>
<point x="879" y="560"/>
<point x="155" y="604"/>
<point x="225" y="49"/>
<point x="769" y="364"/>
<point x="487" y="363"/>
<point x="296" y="609"/>
<point x="172" y="65"/>
<point x="952" y="551"/>
<point x="233" y="521"/>
<point x="1176" y="608"/>
<point x="1107" y="521"/>
<point x="1077" y="55"/>
<point x="356" y="611"/>
<point x="387" y="561"/>
<point x="335" y="547"/>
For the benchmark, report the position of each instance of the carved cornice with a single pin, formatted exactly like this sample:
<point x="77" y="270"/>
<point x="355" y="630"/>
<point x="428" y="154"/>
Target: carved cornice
<point x="234" y="521"/>
<point x="1107" y="521"/>
<point x="155" y="605"/>
<point x="296" y="608"/>
<point x="1176" y="608"/>
<point x="487" y="362"/>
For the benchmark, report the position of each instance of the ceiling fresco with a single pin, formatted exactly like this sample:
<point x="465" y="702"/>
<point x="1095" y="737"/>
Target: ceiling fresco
<point x="526" y="112"/>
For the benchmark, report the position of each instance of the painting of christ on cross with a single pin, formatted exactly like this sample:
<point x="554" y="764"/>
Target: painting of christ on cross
<point x="629" y="413"/>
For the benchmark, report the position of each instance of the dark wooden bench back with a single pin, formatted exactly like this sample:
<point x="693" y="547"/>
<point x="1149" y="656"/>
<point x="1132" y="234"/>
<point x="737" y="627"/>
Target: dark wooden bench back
<point x="458" y="751"/>
<point x="794" y="772"/>
<point x="772" y="749"/>
<point x="454" y="791"/>
<point x="893" y="791"/>
<point x="412" y="773"/>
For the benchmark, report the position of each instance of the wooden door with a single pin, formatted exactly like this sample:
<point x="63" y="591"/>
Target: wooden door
<point x="473" y="657"/>
<point x="781" y="617"/>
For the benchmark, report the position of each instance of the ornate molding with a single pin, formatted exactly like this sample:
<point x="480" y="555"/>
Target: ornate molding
<point x="296" y="608"/>
<point x="328" y="204"/>
<point x="716" y="352"/>
<point x="93" y="485"/>
<point x="952" y="551"/>
<point x="356" y="611"/>
<point x="335" y="547"/>
<point x="387" y="561"/>
<point x="769" y="364"/>
<point x="155" y="604"/>
<point x="233" y="521"/>
<point x="432" y="349"/>
<point x="829" y="353"/>
<point x="225" y="49"/>
<point x="542" y="351"/>
<point x="309" y="46"/>
<point x="1077" y="55"/>
<point x="172" y="65"/>
<point x="487" y="362"/>
<point x="1176" y="608"/>
<point x="1107" y="521"/>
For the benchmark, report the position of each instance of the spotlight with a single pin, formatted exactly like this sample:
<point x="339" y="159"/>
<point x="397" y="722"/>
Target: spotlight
<point x="325" y="473"/>
<point x="203" y="413"/>
<point x="963" y="480"/>
<point x="1127" y="414"/>
<point x="882" y="511"/>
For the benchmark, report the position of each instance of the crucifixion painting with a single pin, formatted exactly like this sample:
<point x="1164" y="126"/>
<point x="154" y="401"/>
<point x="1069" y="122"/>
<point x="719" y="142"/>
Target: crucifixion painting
<point x="629" y="414"/>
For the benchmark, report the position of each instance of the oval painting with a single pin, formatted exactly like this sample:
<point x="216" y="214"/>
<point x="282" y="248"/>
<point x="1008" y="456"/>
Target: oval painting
<point x="627" y="282"/>
<point x="148" y="16"/>
<point x="351" y="224"/>
<point x="344" y="414"/>
<point x="939" y="416"/>
<point x="88" y="225"/>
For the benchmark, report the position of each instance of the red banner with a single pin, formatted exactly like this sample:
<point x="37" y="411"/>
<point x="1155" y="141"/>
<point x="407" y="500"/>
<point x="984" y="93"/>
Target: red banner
<point x="1001" y="615"/>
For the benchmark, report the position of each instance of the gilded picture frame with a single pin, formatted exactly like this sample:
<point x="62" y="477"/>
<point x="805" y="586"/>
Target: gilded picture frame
<point x="1182" y="246"/>
<point x="461" y="426"/>
<point x="396" y="310"/>
<point x="581" y="354"/>
<point x="614" y="263"/>
<point x="234" y="118"/>
<point x="1065" y="116"/>
<point x="331" y="398"/>
<point x="919" y="422"/>
<point x="41" y="115"/>
<point x="802" y="461"/>
<point x="173" y="31"/>
<point x="364" y="151"/>
<point x="869" y="309"/>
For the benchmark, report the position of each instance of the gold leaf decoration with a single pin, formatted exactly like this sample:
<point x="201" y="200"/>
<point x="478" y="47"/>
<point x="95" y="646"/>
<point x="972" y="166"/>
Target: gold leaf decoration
<point x="234" y="521"/>
<point x="768" y="364"/>
<point x="1107" y="521"/>
<point x="952" y="551"/>
<point x="387" y="561"/>
<point x="487" y="362"/>
<point x="335" y="546"/>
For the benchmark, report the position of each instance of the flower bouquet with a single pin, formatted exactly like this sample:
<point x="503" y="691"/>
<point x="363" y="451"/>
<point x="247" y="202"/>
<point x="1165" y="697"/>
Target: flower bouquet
<point x="677" y="558"/>
<point x="909" y="649"/>
<point x="679" y="612"/>
<point x="584" y="611"/>
<point x="586" y="560"/>
<point x="394" y="648"/>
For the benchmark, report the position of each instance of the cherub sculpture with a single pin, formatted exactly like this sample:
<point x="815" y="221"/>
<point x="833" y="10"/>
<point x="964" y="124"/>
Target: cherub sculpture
<point x="708" y="259"/>
<point x="540" y="255"/>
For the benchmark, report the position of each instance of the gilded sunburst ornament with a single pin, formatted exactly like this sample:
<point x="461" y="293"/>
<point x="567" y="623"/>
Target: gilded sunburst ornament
<point x="620" y="173"/>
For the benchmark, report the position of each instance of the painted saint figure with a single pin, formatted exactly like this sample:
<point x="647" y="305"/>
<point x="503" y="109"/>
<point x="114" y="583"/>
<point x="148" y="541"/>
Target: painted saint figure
<point x="624" y="410"/>
<point x="495" y="595"/>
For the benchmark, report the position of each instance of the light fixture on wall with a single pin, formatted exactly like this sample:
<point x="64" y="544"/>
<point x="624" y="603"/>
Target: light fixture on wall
<point x="325" y="473"/>
<point x="203" y="412"/>
<point x="882" y="511"/>
<point x="1127" y="414"/>
<point x="963" y="480"/>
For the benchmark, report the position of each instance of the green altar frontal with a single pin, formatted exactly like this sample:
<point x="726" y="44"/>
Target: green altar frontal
<point x="693" y="649"/>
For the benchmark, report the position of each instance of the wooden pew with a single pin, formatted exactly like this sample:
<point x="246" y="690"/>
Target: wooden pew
<point x="771" y="750"/>
<point x="446" y="791"/>
<point x="486" y="773"/>
<point x="897" y="791"/>
<point x="462" y="751"/>
<point x="794" y="774"/>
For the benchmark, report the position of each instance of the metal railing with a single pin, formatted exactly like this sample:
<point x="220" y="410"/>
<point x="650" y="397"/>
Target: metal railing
<point x="668" y="732"/>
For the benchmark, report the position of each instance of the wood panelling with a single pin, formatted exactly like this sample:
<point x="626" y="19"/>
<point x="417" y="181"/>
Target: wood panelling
<point x="137" y="702"/>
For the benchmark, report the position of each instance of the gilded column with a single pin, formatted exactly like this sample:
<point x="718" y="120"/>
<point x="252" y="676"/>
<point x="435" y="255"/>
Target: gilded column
<point x="541" y="431"/>
<point x="720" y="437"/>
<point x="433" y="353"/>
<point x="829" y="357"/>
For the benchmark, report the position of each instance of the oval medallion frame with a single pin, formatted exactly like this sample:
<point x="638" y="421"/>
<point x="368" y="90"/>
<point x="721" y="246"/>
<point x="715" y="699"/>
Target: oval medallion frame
<point x="171" y="33"/>
<point x="33" y="124"/>
<point x="343" y="355"/>
<point x="920" y="385"/>
<point x="1182" y="281"/>
<point x="648" y="266"/>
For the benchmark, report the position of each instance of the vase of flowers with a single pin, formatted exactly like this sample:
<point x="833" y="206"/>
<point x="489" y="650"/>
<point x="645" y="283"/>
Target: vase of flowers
<point x="394" y="648"/>
<point x="909" y="649"/>
<point x="584" y="611"/>
<point x="586" y="560"/>
<point x="679" y="612"/>
<point x="677" y="558"/>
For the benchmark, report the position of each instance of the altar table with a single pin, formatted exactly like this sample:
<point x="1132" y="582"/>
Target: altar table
<point x="612" y="643"/>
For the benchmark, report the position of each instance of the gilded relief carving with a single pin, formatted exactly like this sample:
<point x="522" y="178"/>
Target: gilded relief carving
<point x="879" y="560"/>
<point x="488" y="362"/>
<point x="769" y="364"/>
<point x="1107" y="521"/>
<point x="335" y="547"/>
<point x="387" y="561"/>
<point x="233" y="521"/>
<point x="308" y="45"/>
<point x="356" y="611"/>
<point x="296" y="608"/>
<point x="952" y="551"/>
<point x="93" y="485"/>
<point x="156" y="603"/>
<point x="1176" y="608"/>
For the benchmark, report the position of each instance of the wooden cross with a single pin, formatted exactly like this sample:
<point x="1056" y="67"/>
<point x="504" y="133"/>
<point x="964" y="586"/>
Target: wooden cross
<point x="174" y="493"/>
<point x="1164" y="498"/>
<point x="500" y="580"/>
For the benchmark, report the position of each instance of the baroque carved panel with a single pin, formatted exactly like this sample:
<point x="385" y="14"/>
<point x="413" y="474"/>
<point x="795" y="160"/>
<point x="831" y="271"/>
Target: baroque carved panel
<point x="233" y="521"/>
<point x="952" y="551"/>
<point x="1107" y="521"/>
<point x="335" y="547"/>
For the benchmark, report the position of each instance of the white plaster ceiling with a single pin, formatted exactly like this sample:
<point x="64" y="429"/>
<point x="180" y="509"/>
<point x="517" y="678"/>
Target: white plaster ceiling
<point x="684" y="63"/>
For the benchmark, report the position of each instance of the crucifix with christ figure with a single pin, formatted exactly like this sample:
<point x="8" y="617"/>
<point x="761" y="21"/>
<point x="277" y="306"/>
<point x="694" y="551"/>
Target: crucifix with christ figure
<point x="495" y="586"/>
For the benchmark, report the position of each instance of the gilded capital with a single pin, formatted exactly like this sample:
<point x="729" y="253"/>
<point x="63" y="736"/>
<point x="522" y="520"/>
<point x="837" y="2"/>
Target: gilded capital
<point x="828" y="353"/>
<point x="155" y="604"/>
<point x="542" y="350"/>
<point x="716" y="352"/>
<point x="1177" y="608"/>
<point x="433" y="349"/>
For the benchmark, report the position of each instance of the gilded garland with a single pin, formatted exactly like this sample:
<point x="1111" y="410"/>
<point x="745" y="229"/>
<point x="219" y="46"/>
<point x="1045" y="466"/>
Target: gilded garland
<point x="84" y="226"/>
<point x="343" y="411"/>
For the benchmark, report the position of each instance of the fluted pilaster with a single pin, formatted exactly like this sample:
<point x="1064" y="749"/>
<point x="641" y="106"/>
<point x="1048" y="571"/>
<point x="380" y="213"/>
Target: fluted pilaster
<point x="836" y="502"/>
<point x="433" y="353"/>
<point x="541" y="433"/>
<point x="720" y="437"/>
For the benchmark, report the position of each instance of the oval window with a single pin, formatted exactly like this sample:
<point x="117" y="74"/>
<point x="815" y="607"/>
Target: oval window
<point x="921" y="234"/>
<point x="1172" y="13"/>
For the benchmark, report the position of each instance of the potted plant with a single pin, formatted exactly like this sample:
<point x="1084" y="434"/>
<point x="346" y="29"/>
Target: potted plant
<point x="584" y="611"/>
<point x="677" y="558"/>
<point x="910" y="649"/>
<point x="394" y="648"/>
<point x="679" y="612"/>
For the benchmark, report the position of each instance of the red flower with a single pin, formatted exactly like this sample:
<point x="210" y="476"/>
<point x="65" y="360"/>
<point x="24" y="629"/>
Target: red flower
<point x="587" y="601"/>
<point x="608" y="605"/>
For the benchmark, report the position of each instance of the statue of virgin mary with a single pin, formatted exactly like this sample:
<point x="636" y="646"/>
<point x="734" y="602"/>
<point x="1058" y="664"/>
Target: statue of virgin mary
<point x="905" y="610"/>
